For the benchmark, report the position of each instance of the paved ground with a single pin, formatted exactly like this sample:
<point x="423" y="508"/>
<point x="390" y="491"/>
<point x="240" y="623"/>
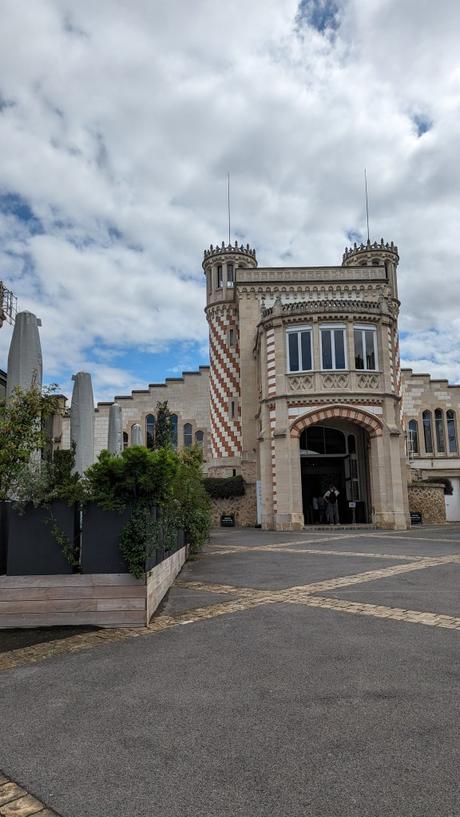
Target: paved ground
<point x="307" y="674"/>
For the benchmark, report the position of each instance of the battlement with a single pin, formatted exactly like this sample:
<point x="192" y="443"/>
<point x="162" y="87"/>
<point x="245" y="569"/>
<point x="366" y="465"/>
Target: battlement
<point x="360" y="251"/>
<point x="224" y="249"/>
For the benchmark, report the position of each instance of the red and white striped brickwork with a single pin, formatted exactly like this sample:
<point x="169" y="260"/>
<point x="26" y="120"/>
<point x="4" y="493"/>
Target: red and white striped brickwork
<point x="271" y="363"/>
<point x="224" y="385"/>
<point x="271" y="389"/>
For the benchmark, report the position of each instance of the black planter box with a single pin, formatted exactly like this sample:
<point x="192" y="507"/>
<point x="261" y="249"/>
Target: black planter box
<point x="100" y="548"/>
<point x="31" y="547"/>
<point x="3" y="535"/>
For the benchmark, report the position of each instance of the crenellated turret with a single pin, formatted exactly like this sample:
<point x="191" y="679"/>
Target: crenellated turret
<point x="373" y="254"/>
<point x="220" y="265"/>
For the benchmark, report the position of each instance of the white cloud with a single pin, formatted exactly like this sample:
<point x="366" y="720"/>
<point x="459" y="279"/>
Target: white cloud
<point x="119" y="122"/>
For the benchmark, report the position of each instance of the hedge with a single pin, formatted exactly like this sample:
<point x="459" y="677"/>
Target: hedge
<point x="224" y="488"/>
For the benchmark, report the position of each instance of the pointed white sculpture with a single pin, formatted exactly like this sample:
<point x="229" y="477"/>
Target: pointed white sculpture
<point x="115" y="438"/>
<point x="25" y="365"/>
<point x="82" y="421"/>
<point x="136" y="435"/>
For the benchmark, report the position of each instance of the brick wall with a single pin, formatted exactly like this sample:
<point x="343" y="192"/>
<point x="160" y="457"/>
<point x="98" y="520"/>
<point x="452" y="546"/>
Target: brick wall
<point x="428" y="499"/>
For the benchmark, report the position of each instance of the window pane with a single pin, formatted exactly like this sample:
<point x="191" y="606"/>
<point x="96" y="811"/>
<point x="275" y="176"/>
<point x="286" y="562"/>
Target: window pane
<point x="339" y="348"/>
<point x="451" y="431"/>
<point x="229" y="272"/>
<point x="293" y="351"/>
<point x="351" y="444"/>
<point x="439" y="425"/>
<point x="188" y="436"/>
<point x="359" y="351"/>
<point x="413" y="437"/>
<point x="370" y="348"/>
<point x="219" y="275"/>
<point x="305" y="346"/>
<point x="199" y="438"/>
<point x="427" y="432"/>
<point x="150" y="430"/>
<point x="327" y="348"/>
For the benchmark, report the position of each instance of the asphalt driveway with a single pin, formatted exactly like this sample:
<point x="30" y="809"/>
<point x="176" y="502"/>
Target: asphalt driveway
<point x="291" y="674"/>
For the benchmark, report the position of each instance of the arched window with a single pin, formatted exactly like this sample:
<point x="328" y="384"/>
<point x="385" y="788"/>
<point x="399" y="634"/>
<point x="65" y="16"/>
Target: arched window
<point x="413" y="437"/>
<point x="174" y="430"/>
<point x="150" y="430"/>
<point x="451" y="432"/>
<point x="199" y="438"/>
<point x="188" y="435"/>
<point x="125" y="439"/>
<point x="427" y="432"/>
<point x="439" y="426"/>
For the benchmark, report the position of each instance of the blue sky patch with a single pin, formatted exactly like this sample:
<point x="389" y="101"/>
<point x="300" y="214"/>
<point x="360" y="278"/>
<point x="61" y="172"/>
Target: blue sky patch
<point x="14" y="204"/>
<point x="422" y="123"/>
<point x="320" y="14"/>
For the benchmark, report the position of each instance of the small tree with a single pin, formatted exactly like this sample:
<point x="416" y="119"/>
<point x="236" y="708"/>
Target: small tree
<point x="163" y="427"/>
<point x="22" y="419"/>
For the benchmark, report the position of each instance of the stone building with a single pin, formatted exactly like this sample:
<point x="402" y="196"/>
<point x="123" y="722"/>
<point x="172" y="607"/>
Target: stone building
<point x="304" y="389"/>
<point x="305" y="383"/>
<point x="430" y="410"/>
<point x="188" y="402"/>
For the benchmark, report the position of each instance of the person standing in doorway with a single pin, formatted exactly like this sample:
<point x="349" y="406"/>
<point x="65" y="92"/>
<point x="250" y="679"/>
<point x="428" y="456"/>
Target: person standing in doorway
<point x="332" y="510"/>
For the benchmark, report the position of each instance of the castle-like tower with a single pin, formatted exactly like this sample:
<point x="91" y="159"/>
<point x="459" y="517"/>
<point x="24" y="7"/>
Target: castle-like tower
<point x="305" y="383"/>
<point x="220" y="266"/>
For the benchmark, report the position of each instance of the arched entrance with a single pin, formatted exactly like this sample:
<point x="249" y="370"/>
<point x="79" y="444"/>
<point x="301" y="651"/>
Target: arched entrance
<point x="334" y="446"/>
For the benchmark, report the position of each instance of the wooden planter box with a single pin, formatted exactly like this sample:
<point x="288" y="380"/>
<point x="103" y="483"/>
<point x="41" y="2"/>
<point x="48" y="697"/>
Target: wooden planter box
<point x="101" y="599"/>
<point x="31" y="547"/>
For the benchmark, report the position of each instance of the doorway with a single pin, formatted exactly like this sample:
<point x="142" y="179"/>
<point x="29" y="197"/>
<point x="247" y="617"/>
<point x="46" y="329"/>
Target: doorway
<point x="334" y="456"/>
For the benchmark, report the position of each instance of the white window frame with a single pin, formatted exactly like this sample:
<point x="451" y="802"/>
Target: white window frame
<point x="343" y="328"/>
<point x="369" y="328"/>
<point x="298" y="329"/>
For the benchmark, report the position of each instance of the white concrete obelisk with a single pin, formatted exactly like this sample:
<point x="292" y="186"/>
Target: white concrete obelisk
<point x="25" y="365"/>
<point x="136" y="435"/>
<point x="82" y="421"/>
<point x="115" y="437"/>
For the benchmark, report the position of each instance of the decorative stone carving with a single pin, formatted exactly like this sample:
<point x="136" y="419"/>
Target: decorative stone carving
<point x="335" y="381"/>
<point x="301" y="382"/>
<point x="368" y="381"/>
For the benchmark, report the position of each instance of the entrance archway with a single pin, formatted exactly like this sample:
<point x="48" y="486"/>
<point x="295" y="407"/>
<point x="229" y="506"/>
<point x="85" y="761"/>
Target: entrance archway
<point x="334" y="450"/>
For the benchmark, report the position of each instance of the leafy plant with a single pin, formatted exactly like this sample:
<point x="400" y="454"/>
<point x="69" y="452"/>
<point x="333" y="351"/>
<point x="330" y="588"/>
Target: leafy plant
<point x="22" y="433"/>
<point x="193" y="502"/>
<point x="448" y="488"/>
<point x="163" y="426"/>
<point x="224" y="487"/>
<point x="138" y="474"/>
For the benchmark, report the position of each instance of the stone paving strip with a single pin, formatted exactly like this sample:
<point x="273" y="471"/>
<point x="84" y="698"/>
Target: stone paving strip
<point x="377" y="610"/>
<point x="248" y="597"/>
<point x="17" y="802"/>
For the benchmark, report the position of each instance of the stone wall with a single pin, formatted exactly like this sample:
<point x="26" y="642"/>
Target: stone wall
<point x="244" y="508"/>
<point x="428" y="499"/>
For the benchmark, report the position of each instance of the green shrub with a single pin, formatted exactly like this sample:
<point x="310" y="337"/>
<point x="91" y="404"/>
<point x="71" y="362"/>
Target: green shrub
<point x="224" y="488"/>
<point x="192" y="503"/>
<point x="448" y="488"/>
<point x="139" y="474"/>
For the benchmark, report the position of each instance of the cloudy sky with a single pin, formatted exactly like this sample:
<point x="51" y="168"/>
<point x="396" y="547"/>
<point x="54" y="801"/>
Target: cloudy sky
<point x="119" y="121"/>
